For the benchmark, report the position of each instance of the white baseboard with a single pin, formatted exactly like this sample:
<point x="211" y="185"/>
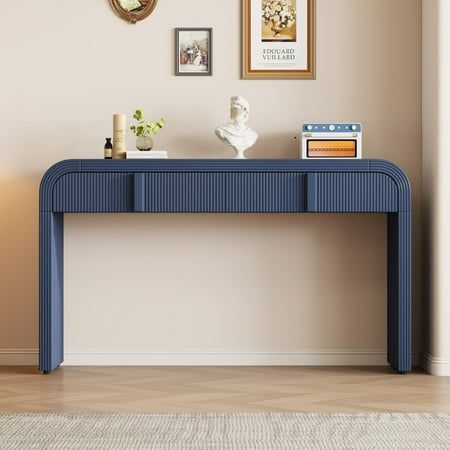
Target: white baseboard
<point x="336" y="357"/>
<point x="436" y="366"/>
<point x="19" y="357"/>
<point x="325" y="357"/>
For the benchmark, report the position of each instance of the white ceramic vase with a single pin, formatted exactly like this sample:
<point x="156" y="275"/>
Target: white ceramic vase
<point x="144" y="143"/>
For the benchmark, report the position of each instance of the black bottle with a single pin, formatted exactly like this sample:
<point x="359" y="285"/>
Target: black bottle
<point x="108" y="149"/>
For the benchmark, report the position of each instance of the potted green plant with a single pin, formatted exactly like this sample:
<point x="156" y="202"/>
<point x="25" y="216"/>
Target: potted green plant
<point x="145" y="130"/>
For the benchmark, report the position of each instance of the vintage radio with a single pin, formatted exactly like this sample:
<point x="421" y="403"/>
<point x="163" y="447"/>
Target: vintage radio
<point x="332" y="141"/>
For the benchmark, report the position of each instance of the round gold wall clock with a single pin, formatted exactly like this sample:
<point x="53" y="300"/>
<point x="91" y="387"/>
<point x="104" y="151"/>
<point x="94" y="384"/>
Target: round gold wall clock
<point x="133" y="10"/>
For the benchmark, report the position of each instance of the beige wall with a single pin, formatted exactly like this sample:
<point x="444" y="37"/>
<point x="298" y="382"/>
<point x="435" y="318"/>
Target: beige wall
<point x="436" y="184"/>
<point x="67" y="66"/>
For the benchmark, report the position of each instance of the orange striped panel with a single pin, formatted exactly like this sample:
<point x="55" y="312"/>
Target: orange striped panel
<point x="322" y="148"/>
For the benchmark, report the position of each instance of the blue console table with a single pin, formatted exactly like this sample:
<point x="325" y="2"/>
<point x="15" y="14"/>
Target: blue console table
<point x="228" y="186"/>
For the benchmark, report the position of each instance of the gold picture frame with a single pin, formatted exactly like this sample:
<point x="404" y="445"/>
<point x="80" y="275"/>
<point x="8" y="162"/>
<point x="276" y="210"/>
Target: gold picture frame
<point x="290" y="52"/>
<point x="142" y="12"/>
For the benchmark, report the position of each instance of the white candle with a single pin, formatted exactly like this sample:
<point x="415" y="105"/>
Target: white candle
<point x="119" y="136"/>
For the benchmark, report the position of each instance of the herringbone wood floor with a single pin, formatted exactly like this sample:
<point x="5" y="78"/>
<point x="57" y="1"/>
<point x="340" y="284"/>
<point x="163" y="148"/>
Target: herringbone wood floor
<point x="222" y="389"/>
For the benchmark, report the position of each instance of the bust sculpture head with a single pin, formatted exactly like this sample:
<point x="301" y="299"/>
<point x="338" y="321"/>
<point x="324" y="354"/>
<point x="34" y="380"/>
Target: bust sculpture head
<point x="240" y="110"/>
<point x="236" y="133"/>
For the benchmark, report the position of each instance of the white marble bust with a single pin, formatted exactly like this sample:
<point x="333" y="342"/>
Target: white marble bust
<point x="236" y="133"/>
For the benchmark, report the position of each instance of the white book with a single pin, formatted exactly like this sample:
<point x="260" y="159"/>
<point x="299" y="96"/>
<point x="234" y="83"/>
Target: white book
<point x="152" y="154"/>
<point x="147" y="157"/>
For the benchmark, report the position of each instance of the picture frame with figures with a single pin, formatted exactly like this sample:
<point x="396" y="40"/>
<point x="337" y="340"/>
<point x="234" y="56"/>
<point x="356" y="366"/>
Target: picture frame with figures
<point x="193" y="51"/>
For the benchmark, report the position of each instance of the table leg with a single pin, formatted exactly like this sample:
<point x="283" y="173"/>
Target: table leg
<point x="51" y="293"/>
<point x="399" y="291"/>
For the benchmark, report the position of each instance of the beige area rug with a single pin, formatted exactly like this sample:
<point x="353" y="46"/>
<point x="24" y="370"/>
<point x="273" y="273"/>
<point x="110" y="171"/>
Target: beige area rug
<point x="224" y="431"/>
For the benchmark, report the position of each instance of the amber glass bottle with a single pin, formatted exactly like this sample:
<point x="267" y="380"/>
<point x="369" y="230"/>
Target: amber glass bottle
<point x="108" y="149"/>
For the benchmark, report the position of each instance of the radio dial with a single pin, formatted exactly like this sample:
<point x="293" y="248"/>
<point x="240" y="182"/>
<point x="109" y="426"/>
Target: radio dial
<point x="354" y="127"/>
<point x="309" y="127"/>
<point x="331" y="127"/>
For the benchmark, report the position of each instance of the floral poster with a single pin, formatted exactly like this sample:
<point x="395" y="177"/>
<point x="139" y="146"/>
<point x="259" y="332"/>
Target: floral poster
<point x="278" y="39"/>
<point x="279" y="20"/>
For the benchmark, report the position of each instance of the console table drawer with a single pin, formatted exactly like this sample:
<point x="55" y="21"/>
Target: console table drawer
<point x="266" y="192"/>
<point x="94" y="192"/>
<point x="176" y="192"/>
<point x="351" y="192"/>
<point x="219" y="192"/>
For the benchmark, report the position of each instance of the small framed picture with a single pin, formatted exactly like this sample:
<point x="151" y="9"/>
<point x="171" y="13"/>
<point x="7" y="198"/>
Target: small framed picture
<point x="193" y="53"/>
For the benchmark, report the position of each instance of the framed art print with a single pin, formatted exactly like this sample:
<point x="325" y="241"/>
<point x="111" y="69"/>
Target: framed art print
<point x="193" y="52"/>
<point x="278" y="39"/>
